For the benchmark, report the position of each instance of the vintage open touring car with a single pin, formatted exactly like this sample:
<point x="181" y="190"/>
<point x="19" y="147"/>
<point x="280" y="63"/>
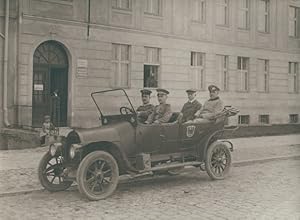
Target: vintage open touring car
<point x="96" y="157"/>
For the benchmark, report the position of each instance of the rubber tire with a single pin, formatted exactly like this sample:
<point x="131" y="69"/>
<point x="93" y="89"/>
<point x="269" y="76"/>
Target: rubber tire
<point x="208" y="168"/>
<point x="84" y="165"/>
<point x="44" y="180"/>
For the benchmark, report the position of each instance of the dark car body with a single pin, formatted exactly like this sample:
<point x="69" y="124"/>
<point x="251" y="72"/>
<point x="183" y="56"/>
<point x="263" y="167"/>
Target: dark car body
<point x="136" y="147"/>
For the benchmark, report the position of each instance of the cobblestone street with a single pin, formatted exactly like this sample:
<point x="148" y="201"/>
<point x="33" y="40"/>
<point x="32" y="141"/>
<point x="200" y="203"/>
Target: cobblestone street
<point x="254" y="190"/>
<point x="261" y="191"/>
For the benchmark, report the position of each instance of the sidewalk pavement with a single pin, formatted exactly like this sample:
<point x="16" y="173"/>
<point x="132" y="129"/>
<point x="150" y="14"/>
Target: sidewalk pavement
<point x="18" y="168"/>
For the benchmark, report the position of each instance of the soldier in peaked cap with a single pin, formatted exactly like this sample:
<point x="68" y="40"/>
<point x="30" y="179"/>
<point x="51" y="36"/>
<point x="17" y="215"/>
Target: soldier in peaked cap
<point x="190" y="107"/>
<point x="212" y="108"/>
<point x="162" y="112"/>
<point x="147" y="108"/>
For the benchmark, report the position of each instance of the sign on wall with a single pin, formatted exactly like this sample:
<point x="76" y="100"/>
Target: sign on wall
<point x="38" y="87"/>
<point x="82" y="67"/>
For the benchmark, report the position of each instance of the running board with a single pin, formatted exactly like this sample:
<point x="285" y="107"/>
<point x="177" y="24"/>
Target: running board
<point x="167" y="166"/>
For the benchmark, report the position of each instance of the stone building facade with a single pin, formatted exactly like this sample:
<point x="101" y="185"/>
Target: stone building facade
<point x="249" y="48"/>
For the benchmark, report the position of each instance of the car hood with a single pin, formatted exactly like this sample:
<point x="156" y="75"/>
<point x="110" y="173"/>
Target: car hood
<point x="111" y="133"/>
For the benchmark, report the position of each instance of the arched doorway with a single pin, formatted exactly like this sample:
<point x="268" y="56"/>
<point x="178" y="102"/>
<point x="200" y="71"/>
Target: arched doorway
<point x="50" y="73"/>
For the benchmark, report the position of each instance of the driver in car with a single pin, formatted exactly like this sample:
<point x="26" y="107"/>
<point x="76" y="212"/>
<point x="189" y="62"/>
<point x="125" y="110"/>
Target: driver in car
<point x="147" y="108"/>
<point x="162" y="112"/>
<point x="212" y="108"/>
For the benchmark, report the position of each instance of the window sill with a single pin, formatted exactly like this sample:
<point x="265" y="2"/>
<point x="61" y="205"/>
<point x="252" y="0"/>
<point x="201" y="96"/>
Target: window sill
<point x="223" y="26"/>
<point x="154" y="16"/>
<point x="244" y="30"/>
<point x="294" y="38"/>
<point x="123" y="10"/>
<point x="198" y="22"/>
<point x="263" y="33"/>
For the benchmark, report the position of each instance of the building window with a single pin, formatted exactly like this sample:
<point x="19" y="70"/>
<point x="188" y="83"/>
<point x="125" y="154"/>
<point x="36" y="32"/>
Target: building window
<point x="244" y="119"/>
<point x="243" y="73"/>
<point x="121" y="4"/>
<point x="264" y="16"/>
<point x="120" y="65"/>
<point x="222" y="69"/>
<point x="263" y="75"/>
<point x="153" y="7"/>
<point x="198" y="9"/>
<point x="264" y="119"/>
<point x="244" y="20"/>
<point x="222" y="12"/>
<point x="293" y="21"/>
<point x="151" y="67"/>
<point x="294" y="118"/>
<point x="293" y="77"/>
<point x="197" y="70"/>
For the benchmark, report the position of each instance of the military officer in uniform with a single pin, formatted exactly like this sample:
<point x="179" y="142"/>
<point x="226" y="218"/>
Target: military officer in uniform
<point x="190" y="107"/>
<point x="147" y="108"/>
<point x="162" y="112"/>
<point x="212" y="108"/>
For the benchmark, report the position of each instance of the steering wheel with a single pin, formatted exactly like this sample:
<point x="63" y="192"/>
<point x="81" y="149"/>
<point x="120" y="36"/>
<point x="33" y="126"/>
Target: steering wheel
<point x="125" y="110"/>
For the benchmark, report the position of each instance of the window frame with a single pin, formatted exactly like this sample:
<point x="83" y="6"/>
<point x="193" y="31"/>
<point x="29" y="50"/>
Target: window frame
<point x="119" y="62"/>
<point x="294" y="75"/>
<point x="261" y="119"/>
<point x="223" y="71"/>
<point x="151" y="12"/>
<point x="119" y="5"/>
<point x="225" y="6"/>
<point x="247" y="14"/>
<point x="266" y="75"/>
<point x="295" y="21"/>
<point x="201" y="11"/>
<point x="240" y="120"/>
<point x="266" y="15"/>
<point x="198" y="69"/>
<point x="151" y="63"/>
<point x="293" y="121"/>
<point x="243" y="74"/>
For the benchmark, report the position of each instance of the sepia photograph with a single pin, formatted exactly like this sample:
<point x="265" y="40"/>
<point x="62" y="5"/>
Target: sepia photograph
<point x="149" y="109"/>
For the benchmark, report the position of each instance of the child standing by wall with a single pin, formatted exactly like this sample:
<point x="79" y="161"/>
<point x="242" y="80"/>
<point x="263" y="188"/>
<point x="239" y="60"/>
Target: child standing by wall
<point x="46" y="129"/>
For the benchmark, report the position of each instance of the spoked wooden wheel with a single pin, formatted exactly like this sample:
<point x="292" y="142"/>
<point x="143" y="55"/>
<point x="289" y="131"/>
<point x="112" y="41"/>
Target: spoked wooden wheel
<point x="218" y="161"/>
<point x="98" y="175"/>
<point x="50" y="173"/>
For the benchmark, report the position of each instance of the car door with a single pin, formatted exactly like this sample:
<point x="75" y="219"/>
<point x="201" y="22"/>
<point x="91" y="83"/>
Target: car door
<point x="169" y="133"/>
<point x="148" y="138"/>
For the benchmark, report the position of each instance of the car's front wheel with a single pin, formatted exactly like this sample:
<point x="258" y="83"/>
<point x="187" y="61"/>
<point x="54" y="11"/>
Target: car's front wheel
<point x="98" y="175"/>
<point x="50" y="173"/>
<point x="218" y="160"/>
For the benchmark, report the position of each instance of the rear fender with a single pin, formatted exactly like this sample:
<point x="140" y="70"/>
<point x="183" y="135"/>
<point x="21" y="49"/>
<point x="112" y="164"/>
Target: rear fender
<point x="211" y="138"/>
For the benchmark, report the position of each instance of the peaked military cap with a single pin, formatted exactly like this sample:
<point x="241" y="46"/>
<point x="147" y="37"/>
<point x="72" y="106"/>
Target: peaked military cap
<point x="213" y="88"/>
<point x="146" y="92"/>
<point x="162" y="91"/>
<point x="191" y="90"/>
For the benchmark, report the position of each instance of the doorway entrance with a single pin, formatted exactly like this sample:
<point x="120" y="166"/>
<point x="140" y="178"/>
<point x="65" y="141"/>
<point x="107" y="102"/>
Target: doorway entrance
<point x="50" y="84"/>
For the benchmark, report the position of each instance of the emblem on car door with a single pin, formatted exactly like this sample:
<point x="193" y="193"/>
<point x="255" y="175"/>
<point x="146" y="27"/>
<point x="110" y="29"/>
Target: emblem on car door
<point x="190" y="131"/>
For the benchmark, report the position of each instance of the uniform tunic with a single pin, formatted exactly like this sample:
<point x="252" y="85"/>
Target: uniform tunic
<point x="162" y="113"/>
<point x="144" y="112"/>
<point x="211" y="108"/>
<point x="189" y="109"/>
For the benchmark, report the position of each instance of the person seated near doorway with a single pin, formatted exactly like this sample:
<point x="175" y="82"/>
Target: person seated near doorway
<point x="190" y="107"/>
<point x="147" y="108"/>
<point x="211" y="109"/>
<point x="162" y="112"/>
<point x="47" y="128"/>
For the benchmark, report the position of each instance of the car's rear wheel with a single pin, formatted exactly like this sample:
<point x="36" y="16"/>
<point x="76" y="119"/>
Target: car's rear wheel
<point x="50" y="173"/>
<point x="218" y="161"/>
<point x="98" y="175"/>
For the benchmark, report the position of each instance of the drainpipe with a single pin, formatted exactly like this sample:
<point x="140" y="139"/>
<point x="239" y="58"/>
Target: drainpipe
<point x="5" y="65"/>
